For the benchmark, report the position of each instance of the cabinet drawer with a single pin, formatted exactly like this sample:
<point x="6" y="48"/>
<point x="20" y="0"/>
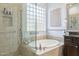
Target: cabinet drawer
<point x="66" y="38"/>
<point x="67" y="42"/>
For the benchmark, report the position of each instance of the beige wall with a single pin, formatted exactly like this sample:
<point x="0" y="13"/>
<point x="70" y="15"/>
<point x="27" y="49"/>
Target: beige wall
<point x="9" y="36"/>
<point x="39" y="37"/>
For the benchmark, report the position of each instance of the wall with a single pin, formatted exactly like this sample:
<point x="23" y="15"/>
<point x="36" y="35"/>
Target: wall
<point x="44" y="5"/>
<point x="9" y="36"/>
<point x="57" y="31"/>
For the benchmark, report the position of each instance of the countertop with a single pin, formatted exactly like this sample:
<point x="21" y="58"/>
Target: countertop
<point x="72" y="35"/>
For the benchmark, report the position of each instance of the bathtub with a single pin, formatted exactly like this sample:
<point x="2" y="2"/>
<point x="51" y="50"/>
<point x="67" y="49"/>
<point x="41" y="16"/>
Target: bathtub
<point x="44" y="45"/>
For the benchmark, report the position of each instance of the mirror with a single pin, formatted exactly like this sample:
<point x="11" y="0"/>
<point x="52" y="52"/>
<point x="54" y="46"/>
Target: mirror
<point x="73" y="16"/>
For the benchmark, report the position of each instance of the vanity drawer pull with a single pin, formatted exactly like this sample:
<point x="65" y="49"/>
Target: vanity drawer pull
<point x="76" y="46"/>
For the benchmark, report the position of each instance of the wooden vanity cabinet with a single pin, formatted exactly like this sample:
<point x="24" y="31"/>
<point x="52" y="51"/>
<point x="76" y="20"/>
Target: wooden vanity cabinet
<point x="71" y="46"/>
<point x="71" y="37"/>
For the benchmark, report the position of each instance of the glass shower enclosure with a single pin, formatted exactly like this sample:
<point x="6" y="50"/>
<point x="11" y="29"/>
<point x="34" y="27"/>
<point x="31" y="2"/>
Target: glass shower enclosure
<point x="28" y="24"/>
<point x="33" y="23"/>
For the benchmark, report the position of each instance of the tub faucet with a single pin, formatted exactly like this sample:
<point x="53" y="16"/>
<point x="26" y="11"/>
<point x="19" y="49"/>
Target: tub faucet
<point x="43" y="48"/>
<point x="40" y="48"/>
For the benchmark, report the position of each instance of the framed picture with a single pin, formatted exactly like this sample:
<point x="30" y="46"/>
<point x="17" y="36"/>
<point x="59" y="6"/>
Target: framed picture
<point x="55" y="17"/>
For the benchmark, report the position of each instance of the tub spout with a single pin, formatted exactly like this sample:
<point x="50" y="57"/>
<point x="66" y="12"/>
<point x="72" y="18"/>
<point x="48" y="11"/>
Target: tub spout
<point x="40" y="48"/>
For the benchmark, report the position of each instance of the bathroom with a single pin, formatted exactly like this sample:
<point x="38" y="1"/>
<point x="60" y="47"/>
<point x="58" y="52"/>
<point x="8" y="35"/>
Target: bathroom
<point x="38" y="29"/>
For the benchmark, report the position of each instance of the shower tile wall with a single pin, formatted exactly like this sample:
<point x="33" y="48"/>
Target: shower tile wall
<point x="9" y="35"/>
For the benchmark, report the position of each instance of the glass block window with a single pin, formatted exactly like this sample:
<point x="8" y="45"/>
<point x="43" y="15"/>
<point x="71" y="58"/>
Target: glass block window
<point x="41" y="19"/>
<point x="31" y="17"/>
<point x="36" y="18"/>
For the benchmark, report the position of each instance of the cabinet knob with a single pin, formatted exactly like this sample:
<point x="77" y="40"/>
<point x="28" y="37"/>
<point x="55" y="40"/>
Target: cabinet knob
<point x="76" y="46"/>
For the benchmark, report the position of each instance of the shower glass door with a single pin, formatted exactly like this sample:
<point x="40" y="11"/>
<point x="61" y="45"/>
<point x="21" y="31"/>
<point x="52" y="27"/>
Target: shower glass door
<point x="28" y="26"/>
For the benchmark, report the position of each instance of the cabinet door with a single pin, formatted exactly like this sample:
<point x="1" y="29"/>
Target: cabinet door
<point x="71" y="51"/>
<point x="70" y="48"/>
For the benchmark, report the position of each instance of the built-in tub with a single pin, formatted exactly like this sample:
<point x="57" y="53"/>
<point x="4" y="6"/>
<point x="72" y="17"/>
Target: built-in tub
<point x="44" y="45"/>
